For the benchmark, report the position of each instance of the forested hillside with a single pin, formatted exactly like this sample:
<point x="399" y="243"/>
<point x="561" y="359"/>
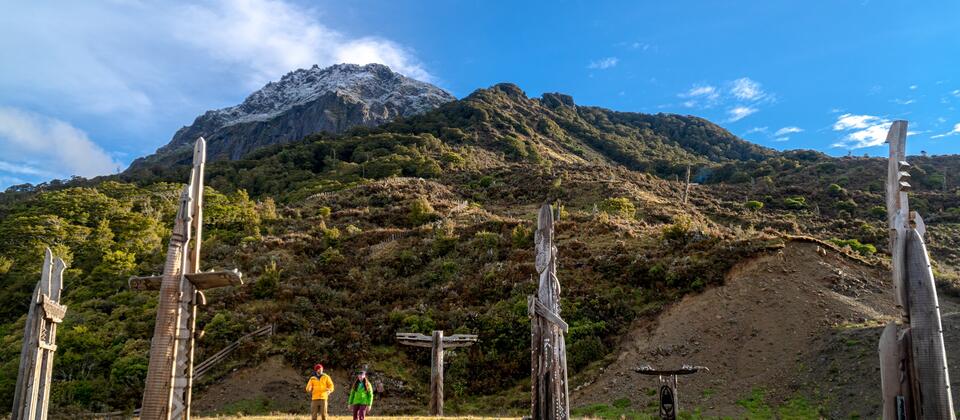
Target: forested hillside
<point x="426" y="223"/>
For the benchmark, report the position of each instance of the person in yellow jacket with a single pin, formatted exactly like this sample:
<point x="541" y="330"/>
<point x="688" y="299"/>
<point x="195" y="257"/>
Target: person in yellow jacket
<point x="319" y="387"/>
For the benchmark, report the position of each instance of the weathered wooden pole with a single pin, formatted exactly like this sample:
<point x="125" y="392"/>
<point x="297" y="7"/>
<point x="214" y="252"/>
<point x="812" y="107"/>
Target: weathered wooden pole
<point x="669" y="387"/>
<point x="436" y="374"/>
<point x="548" y="354"/>
<point x="686" y="188"/>
<point x="915" y="381"/>
<point x="32" y="394"/>
<point x="167" y="389"/>
<point x="437" y="344"/>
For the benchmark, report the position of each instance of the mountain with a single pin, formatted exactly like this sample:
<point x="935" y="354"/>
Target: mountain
<point x="426" y="223"/>
<point x="303" y="102"/>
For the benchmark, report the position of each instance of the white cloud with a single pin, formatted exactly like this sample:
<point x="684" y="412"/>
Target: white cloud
<point x="37" y="145"/>
<point x="788" y="130"/>
<point x="904" y="101"/>
<point x="956" y="93"/>
<point x="861" y="130"/>
<point x="955" y="131"/>
<point x="705" y="91"/>
<point x="781" y="139"/>
<point x="604" y="63"/>
<point x="757" y="130"/>
<point x="740" y="112"/>
<point x="746" y="89"/>
<point x="941" y="120"/>
<point x="150" y="58"/>
<point x="271" y="37"/>
<point x="913" y="87"/>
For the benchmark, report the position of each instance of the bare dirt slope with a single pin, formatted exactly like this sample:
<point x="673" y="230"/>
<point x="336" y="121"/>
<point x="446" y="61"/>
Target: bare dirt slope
<point x="797" y="323"/>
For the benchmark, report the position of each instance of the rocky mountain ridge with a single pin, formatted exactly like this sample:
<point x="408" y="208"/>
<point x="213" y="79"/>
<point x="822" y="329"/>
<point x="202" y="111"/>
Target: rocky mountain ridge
<point x="303" y="102"/>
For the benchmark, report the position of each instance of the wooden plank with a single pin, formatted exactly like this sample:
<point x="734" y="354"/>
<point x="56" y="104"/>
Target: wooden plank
<point x="929" y="353"/>
<point x="552" y="317"/>
<point x="213" y="279"/>
<point x="890" y="373"/>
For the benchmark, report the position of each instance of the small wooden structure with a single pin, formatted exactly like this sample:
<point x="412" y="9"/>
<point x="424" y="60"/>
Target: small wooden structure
<point x="169" y="382"/>
<point x="30" y="400"/>
<point x="548" y="354"/>
<point x="669" y="395"/>
<point x="437" y="344"/>
<point x="914" y="378"/>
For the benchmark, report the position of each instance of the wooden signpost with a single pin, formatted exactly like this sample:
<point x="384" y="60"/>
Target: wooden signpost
<point x="30" y="400"/>
<point x="437" y="344"/>
<point x="167" y="389"/>
<point x="548" y="353"/>
<point x="669" y="392"/>
<point x="915" y="382"/>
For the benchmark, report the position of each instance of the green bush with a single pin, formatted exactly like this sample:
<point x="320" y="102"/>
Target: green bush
<point x="618" y="206"/>
<point x="754" y="205"/>
<point x="847" y="205"/>
<point x="796" y="203"/>
<point x="855" y="245"/>
<point x="268" y="283"/>
<point x="678" y="230"/>
<point x="878" y="211"/>
<point x="421" y="212"/>
<point x="522" y="237"/>
<point x="835" y="189"/>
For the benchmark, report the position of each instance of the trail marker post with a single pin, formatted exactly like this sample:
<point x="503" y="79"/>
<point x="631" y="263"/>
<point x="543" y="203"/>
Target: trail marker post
<point x="168" y="388"/>
<point x="437" y="344"/>
<point x="915" y="382"/>
<point x="30" y="400"/>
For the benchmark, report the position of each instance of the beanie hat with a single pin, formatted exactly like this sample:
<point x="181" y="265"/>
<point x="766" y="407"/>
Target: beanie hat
<point x="317" y="367"/>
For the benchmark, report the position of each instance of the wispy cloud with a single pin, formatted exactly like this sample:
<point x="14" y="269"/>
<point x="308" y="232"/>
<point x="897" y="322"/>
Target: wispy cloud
<point x="781" y="139"/>
<point x="861" y="131"/>
<point x="913" y="87"/>
<point x="788" y="130"/>
<point x="904" y="101"/>
<point x="603" y="63"/>
<point x="740" y="112"/>
<point x="757" y="130"/>
<point x="746" y="89"/>
<point x="955" y="131"/>
<point x="742" y="97"/>
<point x="34" y="144"/>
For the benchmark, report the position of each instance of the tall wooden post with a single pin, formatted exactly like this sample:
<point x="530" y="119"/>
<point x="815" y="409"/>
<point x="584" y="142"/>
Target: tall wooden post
<point x="32" y="394"/>
<point x="915" y="381"/>
<point x="167" y="389"/>
<point x="686" y="188"/>
<point x="437" y="343"/>
<point x="548" y="354"/>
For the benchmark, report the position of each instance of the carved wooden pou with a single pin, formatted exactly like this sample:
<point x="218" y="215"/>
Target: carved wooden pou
<point x="548" y="360"/>
<point x="914" y="378"/>
<point x="167" y="389"/>
<point x="30" y="400"/>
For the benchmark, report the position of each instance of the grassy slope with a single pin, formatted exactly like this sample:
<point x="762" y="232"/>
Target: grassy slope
<point x="427" y="223"/>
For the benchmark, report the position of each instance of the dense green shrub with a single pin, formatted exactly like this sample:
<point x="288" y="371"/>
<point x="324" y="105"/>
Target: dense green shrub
<point x="618" y="206"/>
<point x="796" y="203"/>
<point x="754" y="205"/>
<point x="855" y="245"/>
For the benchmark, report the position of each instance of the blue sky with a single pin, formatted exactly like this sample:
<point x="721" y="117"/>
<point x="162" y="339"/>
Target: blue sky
<point x="86" y="87"/>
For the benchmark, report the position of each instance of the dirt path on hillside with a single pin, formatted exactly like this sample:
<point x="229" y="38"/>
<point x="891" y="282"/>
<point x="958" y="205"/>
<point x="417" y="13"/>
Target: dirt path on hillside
<point x="794" y="323"/>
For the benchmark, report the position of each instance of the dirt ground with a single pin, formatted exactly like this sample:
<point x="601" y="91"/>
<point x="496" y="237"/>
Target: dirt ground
<point x="794" y="323"/>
